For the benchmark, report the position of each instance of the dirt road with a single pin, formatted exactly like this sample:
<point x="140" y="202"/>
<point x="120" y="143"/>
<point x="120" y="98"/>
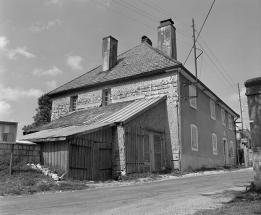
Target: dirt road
<point x="175" y="196"/>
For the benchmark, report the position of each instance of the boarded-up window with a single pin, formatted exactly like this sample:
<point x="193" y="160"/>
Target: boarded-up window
<point x="192" y="95"/>
<point x="212" y="109"/>
<point x="231" y="149"/>
<point x="223" y="117"/>
<point x="194" y="137"/>
<point x="214" y="143"/>
<point x="229" y="121"/>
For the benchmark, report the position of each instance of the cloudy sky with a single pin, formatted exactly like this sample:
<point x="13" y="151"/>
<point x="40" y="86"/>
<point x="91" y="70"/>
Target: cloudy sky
<point x="46" y="43"/>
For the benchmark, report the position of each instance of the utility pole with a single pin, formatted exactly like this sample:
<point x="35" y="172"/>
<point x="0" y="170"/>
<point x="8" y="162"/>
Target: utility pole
<point x="195" y="53"/>
<point x="240" y="107"/>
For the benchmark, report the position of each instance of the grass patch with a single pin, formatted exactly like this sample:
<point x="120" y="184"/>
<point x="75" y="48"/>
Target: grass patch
<point x="26" y="180"/>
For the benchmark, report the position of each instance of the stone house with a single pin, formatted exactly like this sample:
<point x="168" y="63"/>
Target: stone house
<point x="140" y="111"/>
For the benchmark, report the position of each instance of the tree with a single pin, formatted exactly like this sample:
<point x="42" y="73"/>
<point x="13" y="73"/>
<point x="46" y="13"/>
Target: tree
<point x="43" y="114"/>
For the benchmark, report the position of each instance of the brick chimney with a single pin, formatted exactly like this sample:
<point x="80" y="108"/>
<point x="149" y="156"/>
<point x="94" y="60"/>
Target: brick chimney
<point x="147" y="40"/>
<point x="167" y="38"/>
<point x="109" y="52"/>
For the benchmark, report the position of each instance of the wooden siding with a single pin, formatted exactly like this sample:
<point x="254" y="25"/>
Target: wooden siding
<point x="134" y="149"/>
<point x="55" y="154"/>
<point x="91" y="156"/>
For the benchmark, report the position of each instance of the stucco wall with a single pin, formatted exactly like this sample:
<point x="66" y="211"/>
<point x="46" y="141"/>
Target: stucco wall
<point x="201" y="117"/>
<point x="162" y="84"/>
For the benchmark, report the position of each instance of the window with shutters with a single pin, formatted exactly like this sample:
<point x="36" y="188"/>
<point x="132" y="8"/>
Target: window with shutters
<point x="212" y="109"/>
<point x="193" y="93"/>
<point x="73" y="103"/>
<point x="229" y="122"/>
<point x="223" y="117"/>
<point x="214" y="143"/>
<point x="194" y="137"/>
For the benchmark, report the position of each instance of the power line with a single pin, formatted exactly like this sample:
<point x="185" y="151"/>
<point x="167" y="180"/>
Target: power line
<point x="132" y="19"/>
<point x="153" y="19"/>
<point x="201" y="29"/>
<point x="216" y="66"/>
<point x="156" y="7"/>
<point x="217" y="60"/>
<point x="226" y="88"/>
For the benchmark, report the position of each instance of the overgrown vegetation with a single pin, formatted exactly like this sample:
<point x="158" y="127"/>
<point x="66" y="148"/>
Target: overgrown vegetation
<point x="26" y="180"/>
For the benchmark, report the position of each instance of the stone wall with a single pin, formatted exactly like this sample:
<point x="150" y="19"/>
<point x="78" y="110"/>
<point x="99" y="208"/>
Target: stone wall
<point x="29" y="153"/>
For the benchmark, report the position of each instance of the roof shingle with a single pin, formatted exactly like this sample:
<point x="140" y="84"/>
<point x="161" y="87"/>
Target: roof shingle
<point x="141" y="59"/>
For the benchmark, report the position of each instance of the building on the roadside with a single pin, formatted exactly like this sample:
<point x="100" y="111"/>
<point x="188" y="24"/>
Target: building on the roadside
<point x="141" y="111"/>
<point x="245" y="153"/>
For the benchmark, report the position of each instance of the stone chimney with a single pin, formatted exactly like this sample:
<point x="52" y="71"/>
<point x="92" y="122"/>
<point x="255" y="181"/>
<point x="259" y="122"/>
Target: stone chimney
<point x="109" y="52"/>
<point x="167" y="38"/>
<point x="147" y="40"/>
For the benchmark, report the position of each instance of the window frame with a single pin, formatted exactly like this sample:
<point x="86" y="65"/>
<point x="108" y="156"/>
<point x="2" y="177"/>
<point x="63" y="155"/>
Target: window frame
<point x="212" y="111"/>
<point x="106" y="99"/>
<point x="223" y="117"/>
<point x="231" y="143"/>
<point x="192" y="92"/>
<point x="215" y="149"/>
<point x="192" y="126"/>
<point x="230" y="122"/>
<point x="73" y="103"/>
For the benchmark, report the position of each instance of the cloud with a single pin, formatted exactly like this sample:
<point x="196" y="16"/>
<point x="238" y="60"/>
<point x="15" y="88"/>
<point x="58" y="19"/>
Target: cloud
<point x="51" y="72"/>
<point x="5" y="109"/>
<point x="105" y="3"/>
<point x="11" y="94"/>
<point x="38" y="27"/>
<point x="74" y="62"/>
<point x="3" y="42"/>
<point x="20" y="51"/>
<point x="12" y="53"/>
<point x="51" y="84"/>
<point x="56" y="2"/>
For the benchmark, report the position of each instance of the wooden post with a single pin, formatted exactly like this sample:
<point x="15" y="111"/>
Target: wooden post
<point x="11" y="158"/>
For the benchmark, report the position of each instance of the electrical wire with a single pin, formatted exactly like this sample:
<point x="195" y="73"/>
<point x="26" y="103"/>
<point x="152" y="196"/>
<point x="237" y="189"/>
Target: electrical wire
<point x="217" y="60"/>
<point x="153" y="19"/>
<point x="132" y="19"/>
<point x="157" y="8"/>
<point x="200" y="30"/>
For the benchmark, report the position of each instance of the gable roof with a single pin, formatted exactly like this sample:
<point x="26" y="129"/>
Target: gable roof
<point x="90" y="120"/>
<point x="137" y="61"/>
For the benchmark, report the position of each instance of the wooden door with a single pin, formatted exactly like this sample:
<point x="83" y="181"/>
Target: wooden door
<point x="157" y="151"/>
<point x="225" y="151"/>
<point x="147" y="154"/>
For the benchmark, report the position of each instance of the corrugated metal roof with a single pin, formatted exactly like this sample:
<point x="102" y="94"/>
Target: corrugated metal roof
<point x="133" y="109"/>
<point x="62" y="133"/>
<point x="124" y="114"/>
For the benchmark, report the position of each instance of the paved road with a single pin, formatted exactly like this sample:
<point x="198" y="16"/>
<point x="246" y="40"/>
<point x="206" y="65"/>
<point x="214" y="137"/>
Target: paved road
<point x="175" y="196"/>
